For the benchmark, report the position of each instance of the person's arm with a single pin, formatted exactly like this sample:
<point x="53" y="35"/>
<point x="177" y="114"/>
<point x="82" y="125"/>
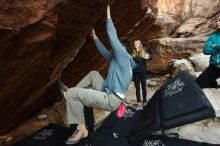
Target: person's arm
<point x="208" y="50"/>
<point x="116" y="45"/>
<point x="105" y="53"/>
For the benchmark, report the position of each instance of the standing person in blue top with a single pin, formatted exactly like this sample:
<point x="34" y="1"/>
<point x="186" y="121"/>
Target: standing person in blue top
<point x="212" y="47"/>
<point x="140" y="73"/>
<point x="104" y="94"/>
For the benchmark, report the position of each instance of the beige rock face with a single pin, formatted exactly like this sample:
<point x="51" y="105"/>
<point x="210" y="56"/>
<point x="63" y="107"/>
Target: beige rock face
<point x="170" y="7"/>
<point x="188" y="8"/>
<point x="167" y="24"/>
<point x="192" y="15"/>
<point x="187" y="28"/>
<point x="200" y="8"/>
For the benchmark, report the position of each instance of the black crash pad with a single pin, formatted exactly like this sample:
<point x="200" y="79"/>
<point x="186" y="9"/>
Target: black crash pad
<point x="51" y="135"/>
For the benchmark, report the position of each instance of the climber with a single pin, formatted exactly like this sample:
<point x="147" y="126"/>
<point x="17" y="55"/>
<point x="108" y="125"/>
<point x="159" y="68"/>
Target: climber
<point x="105" y="94"/>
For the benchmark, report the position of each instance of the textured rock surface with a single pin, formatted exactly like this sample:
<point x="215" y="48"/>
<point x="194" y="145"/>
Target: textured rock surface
<point x="182" y="65"/>
<point x="200" y="61"/>
<point x="127" y="27"/>
<point x="188" y="8"/>
<point x="167" y="24"/>
<point x="191" y="16"/>
<point x="39" y="39"/>
<point x="200" y="8"/>
<point x="38" y="42"/>
<point x="170" y="7"/>
<point x="166" y="49"/>
<point x="186" y="29"/>
<point x="194" y="18"/>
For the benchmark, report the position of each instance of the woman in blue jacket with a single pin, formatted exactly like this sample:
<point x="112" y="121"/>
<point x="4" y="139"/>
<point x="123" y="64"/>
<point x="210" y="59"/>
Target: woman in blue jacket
<point x="105" y="94"/>
<point x="212" y="47"/>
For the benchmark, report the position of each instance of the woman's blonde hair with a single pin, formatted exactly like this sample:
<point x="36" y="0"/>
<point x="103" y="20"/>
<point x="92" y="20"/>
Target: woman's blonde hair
<point x="139" y="53"/>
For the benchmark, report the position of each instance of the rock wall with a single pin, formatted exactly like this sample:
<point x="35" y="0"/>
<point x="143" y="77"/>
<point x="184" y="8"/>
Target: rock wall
<point x="164" y="50"/>
<point x="127" y="27"/>
<point x="180" y="27"/>
<point x="200" y="8"/>
<point x="172" y="14"/>
<point x="188" y="8"/>
<point x="170" y="7"/>
<point x="40" y="38"/>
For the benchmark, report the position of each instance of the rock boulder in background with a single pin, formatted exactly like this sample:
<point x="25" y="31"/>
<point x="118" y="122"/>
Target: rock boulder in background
<point x="166" y="49"/>
<point x="200" y="61"/>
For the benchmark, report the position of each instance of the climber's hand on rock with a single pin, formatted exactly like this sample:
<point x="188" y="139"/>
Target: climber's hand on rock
<point x="108" y="12"/>
<point x="93" y="34"/>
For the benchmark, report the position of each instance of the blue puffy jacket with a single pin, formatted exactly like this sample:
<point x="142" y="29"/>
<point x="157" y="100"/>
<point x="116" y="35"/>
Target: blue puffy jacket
<point x="213" y="51"/>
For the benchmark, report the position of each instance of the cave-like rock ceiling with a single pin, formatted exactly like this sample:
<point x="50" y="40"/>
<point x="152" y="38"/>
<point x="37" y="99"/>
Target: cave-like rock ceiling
<point x="42" y="41"/>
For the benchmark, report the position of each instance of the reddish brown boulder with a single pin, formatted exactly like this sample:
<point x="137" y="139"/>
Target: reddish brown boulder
<point x="166" y="49"/>
<point x="130" y="22"/>
<point x="39" y="39"/>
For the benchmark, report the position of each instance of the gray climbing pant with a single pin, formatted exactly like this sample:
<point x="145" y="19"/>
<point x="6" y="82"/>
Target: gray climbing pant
<point x="89" y="92"/>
